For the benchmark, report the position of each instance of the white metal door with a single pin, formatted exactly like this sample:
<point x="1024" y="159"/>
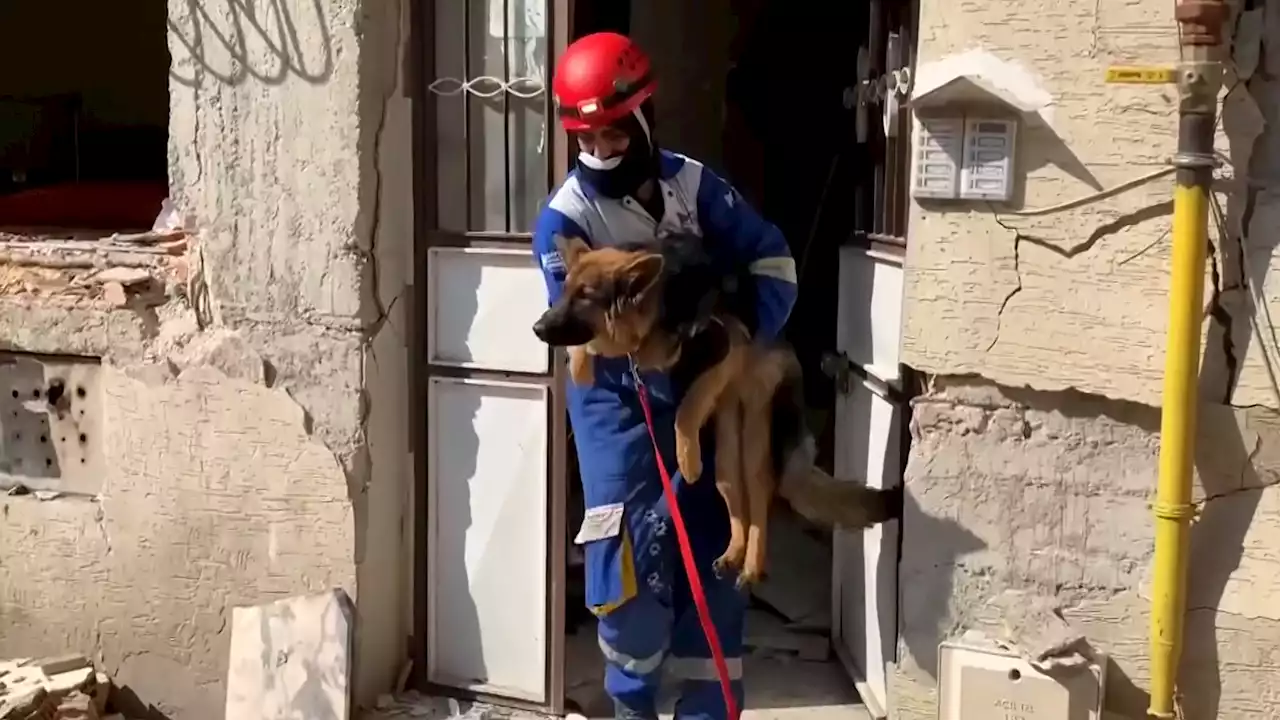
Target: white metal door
<point x="869" y="437"/>
<point x="494" y="426"/>
<point x="488" y="478"/>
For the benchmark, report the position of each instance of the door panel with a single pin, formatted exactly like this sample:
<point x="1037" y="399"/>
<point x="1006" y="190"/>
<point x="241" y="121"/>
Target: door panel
<point x="869" y="427"/>
<point x="487" y="472"/>
<point x="481" y="307"/>
<point x="871" y="308"/>
<point x="495" y="429"/>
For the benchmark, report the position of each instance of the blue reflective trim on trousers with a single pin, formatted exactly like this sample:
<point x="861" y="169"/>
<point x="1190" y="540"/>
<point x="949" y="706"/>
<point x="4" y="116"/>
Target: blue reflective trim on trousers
<point x="645" y="636"/>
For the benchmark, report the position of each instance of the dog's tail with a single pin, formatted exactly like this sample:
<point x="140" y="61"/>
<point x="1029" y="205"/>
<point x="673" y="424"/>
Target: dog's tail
<point x="809" y="490"/>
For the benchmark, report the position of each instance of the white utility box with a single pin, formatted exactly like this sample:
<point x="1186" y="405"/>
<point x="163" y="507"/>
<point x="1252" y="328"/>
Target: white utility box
<point x="981" y="683"/>
<point x="986" y="173"/>
<point x="935" y="159"/>
<point x="963" y="158"/>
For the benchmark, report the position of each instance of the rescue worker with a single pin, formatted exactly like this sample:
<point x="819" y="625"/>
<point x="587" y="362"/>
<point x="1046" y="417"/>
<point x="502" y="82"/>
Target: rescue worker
<point x="624" y="188"/>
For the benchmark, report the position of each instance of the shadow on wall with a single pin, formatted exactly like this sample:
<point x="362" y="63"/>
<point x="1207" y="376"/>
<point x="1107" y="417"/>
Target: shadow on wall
<point x="126" y="700"/>
<point x="1038" y="145"/>
<point x="1041" y="146"/>
<point x="925" y="589"/>
<point x="1227" y="457"/>
<point x="1228" y="450"/>
<point x="237" y="40"/>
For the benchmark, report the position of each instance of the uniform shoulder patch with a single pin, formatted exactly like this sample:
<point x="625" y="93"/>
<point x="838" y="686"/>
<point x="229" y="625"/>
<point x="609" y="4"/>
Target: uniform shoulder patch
<point x="552" y="262"/>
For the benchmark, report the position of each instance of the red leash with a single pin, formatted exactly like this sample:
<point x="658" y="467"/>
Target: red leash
<point x="686" y="554"/>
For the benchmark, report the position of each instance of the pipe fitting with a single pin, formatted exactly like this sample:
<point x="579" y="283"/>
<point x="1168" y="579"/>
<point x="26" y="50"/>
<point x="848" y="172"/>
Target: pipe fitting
<point x="1198" y="83"/>
<point x="1201" y="22"/>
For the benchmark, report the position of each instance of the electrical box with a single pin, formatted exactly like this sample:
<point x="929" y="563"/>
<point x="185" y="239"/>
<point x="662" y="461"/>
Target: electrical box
<point x="987" y="170"/>
<point x="939" y="147"/>
<point x="982" y="683"/>
<point x="963" y="158"/>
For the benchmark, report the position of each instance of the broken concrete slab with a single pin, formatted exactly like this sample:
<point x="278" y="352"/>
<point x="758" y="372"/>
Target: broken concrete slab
<point x="291" y="658"/>
<point x="62" y="687"/>
<point x="62" y="663"/>
<point x="125" y="276"/>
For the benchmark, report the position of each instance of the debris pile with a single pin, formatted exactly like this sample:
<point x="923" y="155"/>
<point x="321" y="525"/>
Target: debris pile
<point x="65" y="687"/>
<point x="412" y="705"/>
<point x="117" y="270"/>
<point x="135" y="270"/>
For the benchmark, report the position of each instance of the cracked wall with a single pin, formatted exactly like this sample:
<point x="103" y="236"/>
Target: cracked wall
<point x="1034" y="456"/>
<point x="258" y="429"/>
<point x="1016" y="495"/>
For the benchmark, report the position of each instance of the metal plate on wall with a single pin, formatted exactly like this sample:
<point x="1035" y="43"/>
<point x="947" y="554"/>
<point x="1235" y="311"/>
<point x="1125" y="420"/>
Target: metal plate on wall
<point x="50" y="423"/>
<point x="977" y="683"/>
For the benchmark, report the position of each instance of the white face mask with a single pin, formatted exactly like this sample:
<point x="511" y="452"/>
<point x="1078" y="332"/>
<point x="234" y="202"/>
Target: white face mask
<point x="595" y="163"/>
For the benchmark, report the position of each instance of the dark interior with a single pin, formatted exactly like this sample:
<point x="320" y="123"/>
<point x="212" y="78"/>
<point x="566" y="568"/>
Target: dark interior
<point x="786" y="140"/>
<point x="84" y="112"/>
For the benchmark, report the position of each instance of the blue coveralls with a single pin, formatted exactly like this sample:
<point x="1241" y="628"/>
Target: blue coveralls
<point x="635" y="583"/>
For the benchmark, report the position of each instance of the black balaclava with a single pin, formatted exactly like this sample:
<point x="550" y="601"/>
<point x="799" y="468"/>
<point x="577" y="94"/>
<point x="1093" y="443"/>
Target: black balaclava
<point x="622" y="175"/>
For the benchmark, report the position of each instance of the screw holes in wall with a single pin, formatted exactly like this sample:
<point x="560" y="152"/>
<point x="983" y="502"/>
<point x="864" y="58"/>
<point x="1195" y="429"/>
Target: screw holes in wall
<point x="59" y="398"/>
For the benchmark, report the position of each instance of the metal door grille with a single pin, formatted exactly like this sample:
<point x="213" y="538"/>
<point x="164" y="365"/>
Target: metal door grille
<point x="881" y="203"/>
<point x="491" y="111"/>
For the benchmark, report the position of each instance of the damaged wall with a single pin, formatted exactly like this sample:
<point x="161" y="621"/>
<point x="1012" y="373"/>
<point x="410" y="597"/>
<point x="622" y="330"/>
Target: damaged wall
<point x="256" y="429"/>
<point x="1034" y="456"/>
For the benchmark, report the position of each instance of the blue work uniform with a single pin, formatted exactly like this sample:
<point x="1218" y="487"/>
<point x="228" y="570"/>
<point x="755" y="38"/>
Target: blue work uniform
<point x="635" y="583"/>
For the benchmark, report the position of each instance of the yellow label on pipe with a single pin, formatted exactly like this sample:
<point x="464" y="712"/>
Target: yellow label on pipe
<point x="1139" y="75"/>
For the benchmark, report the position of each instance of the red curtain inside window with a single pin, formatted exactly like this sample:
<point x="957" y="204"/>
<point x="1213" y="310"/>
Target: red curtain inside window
<point x="85" y="206"/>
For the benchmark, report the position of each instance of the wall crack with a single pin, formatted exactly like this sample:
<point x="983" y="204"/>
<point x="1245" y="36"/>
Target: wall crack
<point x="1099" y="233"/>
<point x="1017" y="272"/>
<point x="371" y="253"/>
<point x="1219" y="314"/>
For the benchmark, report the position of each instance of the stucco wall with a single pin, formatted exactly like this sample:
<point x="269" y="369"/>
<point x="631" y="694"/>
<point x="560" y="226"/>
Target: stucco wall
<point x="1034" y="455"/>
<point x="257" y="442"/>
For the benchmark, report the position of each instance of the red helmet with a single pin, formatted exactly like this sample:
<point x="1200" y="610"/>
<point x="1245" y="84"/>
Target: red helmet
<point x="599" y="79"/>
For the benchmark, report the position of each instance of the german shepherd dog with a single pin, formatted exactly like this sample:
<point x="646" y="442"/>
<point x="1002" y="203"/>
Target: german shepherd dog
<point x="664" y="304"/>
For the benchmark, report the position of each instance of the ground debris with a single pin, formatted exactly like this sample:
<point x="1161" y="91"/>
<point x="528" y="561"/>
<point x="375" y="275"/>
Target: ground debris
<point x="62" y="687"/>
<point x="412" y="704"/>
<point x="79" y="267"/>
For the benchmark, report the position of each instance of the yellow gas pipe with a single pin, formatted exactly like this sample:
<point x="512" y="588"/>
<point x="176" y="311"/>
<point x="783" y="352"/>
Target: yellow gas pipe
<point x="1199" y="78"/>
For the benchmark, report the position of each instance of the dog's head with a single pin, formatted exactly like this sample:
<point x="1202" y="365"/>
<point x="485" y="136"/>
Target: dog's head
<point x="610" y="301"/>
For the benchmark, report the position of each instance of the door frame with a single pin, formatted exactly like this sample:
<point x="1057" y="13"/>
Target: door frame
<point x="882" y="209"/>
<point x="421" y="66"/>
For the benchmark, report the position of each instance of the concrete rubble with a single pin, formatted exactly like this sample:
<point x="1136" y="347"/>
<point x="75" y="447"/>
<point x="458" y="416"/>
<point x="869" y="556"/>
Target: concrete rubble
<point x="133" y="270"/>
<point x="414" y="705"/>
<point x="64" y="687"/>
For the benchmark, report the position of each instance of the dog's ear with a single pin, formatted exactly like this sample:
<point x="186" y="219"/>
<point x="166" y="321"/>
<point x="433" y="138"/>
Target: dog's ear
<point x="640" y="275"/>
<point x="571" y="248"/>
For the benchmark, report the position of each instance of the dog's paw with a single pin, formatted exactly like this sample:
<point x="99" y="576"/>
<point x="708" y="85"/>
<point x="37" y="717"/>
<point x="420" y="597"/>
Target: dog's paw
<point x="752" y="570"/>
<point x="748" y="577"/>
<point x="688" y="457"/>
<point x="728" y="564"/>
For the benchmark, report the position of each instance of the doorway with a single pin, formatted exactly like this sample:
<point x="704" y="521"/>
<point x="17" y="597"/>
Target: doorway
<point x="783" y="100"/>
